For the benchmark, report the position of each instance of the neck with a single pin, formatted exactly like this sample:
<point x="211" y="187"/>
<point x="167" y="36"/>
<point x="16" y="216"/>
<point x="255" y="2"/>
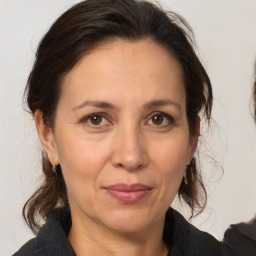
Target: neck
<point x="88" y="238"/>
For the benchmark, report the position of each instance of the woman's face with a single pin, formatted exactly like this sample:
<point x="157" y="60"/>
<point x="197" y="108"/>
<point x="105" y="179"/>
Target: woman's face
<point x="121" y="135"/>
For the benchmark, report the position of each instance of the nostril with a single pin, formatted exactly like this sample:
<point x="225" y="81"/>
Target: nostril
<point x="128" y="151"/>
<point x="130" y="162"/>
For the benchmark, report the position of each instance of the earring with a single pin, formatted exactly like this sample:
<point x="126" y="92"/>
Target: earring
<point x="54" y="170"/>
<point x="185" y="174"/>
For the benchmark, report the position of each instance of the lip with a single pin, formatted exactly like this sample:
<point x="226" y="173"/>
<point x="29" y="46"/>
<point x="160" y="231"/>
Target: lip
<point x="128" y="194"/>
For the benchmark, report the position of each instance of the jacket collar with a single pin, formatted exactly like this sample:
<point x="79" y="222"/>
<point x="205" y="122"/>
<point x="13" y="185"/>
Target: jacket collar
<point x="182" y="238"/>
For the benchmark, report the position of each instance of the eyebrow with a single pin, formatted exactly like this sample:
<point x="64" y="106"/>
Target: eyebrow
<point x="104" y="104"/>
<point x="98" y="104"/>
<point x="161" y="103"/>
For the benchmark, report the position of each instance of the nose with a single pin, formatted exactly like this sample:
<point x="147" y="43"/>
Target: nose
<point x="129" y="150"/>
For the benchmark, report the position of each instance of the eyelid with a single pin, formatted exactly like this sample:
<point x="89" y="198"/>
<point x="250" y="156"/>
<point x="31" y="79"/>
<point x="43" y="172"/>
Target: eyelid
<point x="104" y="115"/>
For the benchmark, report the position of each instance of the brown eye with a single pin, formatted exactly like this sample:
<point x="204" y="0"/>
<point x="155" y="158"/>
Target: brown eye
<point x="157" y="119"/>
<point x="160" y="120"/>
<point x="96" y="120"/>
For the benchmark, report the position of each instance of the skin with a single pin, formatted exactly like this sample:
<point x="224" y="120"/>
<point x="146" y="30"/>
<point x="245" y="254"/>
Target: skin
<point x="142" y="82"/>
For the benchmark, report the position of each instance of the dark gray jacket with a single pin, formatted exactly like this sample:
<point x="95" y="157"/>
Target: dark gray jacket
<point x="182" y="238"/>
<point x="241" y="238"/>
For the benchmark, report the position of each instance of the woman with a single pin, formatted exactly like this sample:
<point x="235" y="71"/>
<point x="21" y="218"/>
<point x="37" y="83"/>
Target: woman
<point x="116" y="92"/>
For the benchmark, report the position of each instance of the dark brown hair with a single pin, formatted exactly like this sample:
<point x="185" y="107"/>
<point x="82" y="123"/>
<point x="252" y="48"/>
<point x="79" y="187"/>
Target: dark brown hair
<point x="79" y="30"/>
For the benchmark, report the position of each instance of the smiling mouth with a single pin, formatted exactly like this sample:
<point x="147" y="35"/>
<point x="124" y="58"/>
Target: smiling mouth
<point x="128" y="194"/>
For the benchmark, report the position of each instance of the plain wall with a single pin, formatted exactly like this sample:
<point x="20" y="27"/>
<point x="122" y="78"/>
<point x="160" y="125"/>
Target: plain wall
<point x="225" y="31"/>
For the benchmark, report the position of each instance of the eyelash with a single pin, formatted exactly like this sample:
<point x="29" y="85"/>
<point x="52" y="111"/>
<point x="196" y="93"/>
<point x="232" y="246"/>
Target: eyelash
<point x="169" y="118"/>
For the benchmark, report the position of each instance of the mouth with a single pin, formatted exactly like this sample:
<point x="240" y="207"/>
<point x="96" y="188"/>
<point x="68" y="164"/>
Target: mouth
<point x="128" y="194"/>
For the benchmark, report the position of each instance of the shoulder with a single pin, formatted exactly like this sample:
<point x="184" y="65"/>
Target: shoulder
<point x="28" y="249"/>
<point x="188" y="240"/>
<point x="240" y="238"/>
<point x="52" y="237"/>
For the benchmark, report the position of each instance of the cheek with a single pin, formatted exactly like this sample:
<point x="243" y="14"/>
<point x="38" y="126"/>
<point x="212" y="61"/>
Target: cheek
<point x="78" y="151"/>
<point x="171" y="153"/>
<point x="170" y="159"/>
<point x="81" y="161"/>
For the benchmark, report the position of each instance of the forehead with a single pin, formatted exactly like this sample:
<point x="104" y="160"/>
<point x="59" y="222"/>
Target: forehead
<point x="122" y="68"/>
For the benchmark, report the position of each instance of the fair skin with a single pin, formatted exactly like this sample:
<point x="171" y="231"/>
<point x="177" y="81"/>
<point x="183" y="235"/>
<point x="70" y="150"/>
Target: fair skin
<point x="121" y="119"/>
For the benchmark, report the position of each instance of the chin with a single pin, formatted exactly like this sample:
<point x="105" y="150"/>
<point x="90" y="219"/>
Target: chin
<point x="128" y="221"/>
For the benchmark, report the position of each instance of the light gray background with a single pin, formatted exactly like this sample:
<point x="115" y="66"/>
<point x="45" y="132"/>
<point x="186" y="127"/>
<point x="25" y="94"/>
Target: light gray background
<point x="226" y="34"/>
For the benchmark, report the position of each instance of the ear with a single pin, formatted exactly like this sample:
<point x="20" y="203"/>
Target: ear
<point x="194" y="140"/>
<point x="46" y="137"/>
